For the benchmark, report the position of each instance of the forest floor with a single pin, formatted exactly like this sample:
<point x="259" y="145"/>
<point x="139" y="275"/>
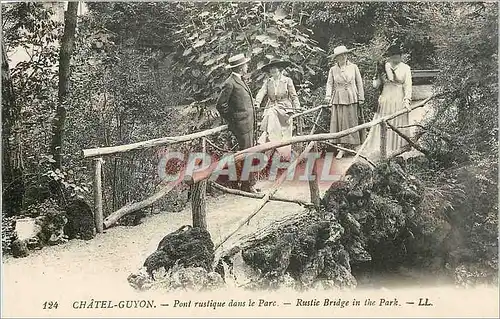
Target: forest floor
<point x="104" y="262"/>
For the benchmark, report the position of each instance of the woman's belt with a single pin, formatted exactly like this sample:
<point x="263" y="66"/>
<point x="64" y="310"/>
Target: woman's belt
<point x="394" y="83"/>
<point x="278" y="100"/>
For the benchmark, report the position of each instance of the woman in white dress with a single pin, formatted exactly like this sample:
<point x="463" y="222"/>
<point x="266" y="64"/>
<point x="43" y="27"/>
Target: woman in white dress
<point x="281" y="101"/>
<point x="396" y="95"/>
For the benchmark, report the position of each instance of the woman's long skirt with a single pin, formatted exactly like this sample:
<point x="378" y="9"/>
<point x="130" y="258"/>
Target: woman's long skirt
<point x="390" y="101"/>
<point x="277" y="126"/>
<point x="344" y="117"/>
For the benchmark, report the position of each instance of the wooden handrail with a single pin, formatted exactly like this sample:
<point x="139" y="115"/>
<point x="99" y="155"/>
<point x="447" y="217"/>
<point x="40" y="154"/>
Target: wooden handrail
<point x="239" y="156"/>
<point x="93" y="152"/>
<point x="319" y="107"/>
<point x="162" y="141"/>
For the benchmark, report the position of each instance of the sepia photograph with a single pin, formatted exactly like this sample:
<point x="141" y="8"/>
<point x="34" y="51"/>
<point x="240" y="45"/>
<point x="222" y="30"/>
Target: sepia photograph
<point x="236" y="159"/>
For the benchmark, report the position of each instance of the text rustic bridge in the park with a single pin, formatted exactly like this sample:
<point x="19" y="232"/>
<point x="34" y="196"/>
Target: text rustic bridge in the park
<point x="198" y="179"/>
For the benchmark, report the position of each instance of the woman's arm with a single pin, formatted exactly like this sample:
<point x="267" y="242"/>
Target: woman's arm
<point x="262" y="94"/>
<point x="376" y="82"/>
<point x="293" y="94"/>
<point x="407" y="85"/>
<point x="389" y="72"/>
<point x="359" y="85"/>
<point x="329" y="86"/>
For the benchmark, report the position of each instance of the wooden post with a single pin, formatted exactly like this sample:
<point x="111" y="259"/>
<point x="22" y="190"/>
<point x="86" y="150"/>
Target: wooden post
<point x="300" y="131"/>
<point x="98" y="217"/>
<point x="383" y="139"/>
<point x="130" y="208"/>
<point x="198" y="200"/>
<point x="314" y="183"/>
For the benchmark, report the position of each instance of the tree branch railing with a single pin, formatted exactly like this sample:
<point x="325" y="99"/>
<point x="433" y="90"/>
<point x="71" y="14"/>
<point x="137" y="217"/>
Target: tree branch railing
<point x="97" y="153"/>
<point x="275" y="198"/>
<point x="239" y="156"/>
<point x="163" y="141"/>
<point x="205" y="174"/>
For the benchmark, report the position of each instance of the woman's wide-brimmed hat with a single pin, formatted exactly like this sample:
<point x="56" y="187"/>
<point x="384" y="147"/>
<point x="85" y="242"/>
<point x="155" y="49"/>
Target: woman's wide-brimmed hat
<point x="339" y="50"/>
<point x="237" y="60"/>
<point x="276" y="63"/>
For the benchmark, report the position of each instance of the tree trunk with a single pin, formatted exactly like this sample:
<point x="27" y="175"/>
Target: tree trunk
<point x="199" y="202"/>
<point x="67" y="45"/>
<point x="12" y="165"/>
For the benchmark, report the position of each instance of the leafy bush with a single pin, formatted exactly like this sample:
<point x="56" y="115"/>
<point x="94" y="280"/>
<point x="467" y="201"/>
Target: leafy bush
<point x="213" y="32"/>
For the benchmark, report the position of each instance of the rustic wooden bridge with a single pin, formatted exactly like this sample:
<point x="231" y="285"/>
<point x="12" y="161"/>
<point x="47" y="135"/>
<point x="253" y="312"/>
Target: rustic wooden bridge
<point x="199" y="179"/>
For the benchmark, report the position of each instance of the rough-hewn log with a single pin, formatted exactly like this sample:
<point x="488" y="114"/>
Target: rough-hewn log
<point x="383" y="139"/>
<point x="317" y="125"/>
<point x="98" y="217"/>
<point x="239" y="156"/>
<point x="130" y="208"/>
<point x="260" y="234"/>
<point x="198" y="200"/>
<point x="313" y="182"/>
<point x="308" y="111"/>
<point x="407" y="147"/>
<point x="92" y="152"/>
<point x="258" y="195"/>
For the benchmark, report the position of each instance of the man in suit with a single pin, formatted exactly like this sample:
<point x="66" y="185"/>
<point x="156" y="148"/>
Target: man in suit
<point x="236" y="107"/>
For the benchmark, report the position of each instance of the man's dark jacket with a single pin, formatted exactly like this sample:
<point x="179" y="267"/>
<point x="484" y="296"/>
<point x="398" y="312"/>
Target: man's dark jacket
<point x="235" y="105"/>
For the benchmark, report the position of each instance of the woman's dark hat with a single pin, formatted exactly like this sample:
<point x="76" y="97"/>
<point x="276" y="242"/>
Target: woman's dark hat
<point x="276" y="63"/>
<point x="395" y="49"/>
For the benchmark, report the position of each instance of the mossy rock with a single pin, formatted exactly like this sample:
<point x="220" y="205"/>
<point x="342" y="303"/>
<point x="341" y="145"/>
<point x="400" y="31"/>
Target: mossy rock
<point x="187" y="247"/>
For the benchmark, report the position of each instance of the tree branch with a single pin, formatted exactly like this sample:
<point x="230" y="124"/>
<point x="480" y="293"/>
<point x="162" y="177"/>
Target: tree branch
<point x="349" y="151"/>
<point x="406" y="138"/>
<point x="259" y="196"/>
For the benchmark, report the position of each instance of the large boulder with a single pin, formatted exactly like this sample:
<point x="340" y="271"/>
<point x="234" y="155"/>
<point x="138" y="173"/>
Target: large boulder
<point x="183" y="260"/>
<point x="188" y="247"/>
<point x="80" y="220"/>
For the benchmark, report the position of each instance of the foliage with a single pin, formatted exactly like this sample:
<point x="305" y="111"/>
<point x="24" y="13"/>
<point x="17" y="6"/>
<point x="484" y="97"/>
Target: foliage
<point x="114" y="85"/>
<point x="214" y="32"/>
<point x="29" y="27"/>
<point x="357" y="24"/>
<point x="468" y="70"/>
<point x="8" y="233"/>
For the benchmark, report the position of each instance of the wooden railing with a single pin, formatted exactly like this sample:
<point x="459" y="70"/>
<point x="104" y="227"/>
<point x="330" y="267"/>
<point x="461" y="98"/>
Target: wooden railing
<point x="312" y="138"/>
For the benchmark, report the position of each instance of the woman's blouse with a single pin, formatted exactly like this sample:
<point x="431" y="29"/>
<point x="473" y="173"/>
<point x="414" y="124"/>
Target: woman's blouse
<point x="399" y="75"/>
<point x="344" y="85"/>
<point x="281" y="93"/>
